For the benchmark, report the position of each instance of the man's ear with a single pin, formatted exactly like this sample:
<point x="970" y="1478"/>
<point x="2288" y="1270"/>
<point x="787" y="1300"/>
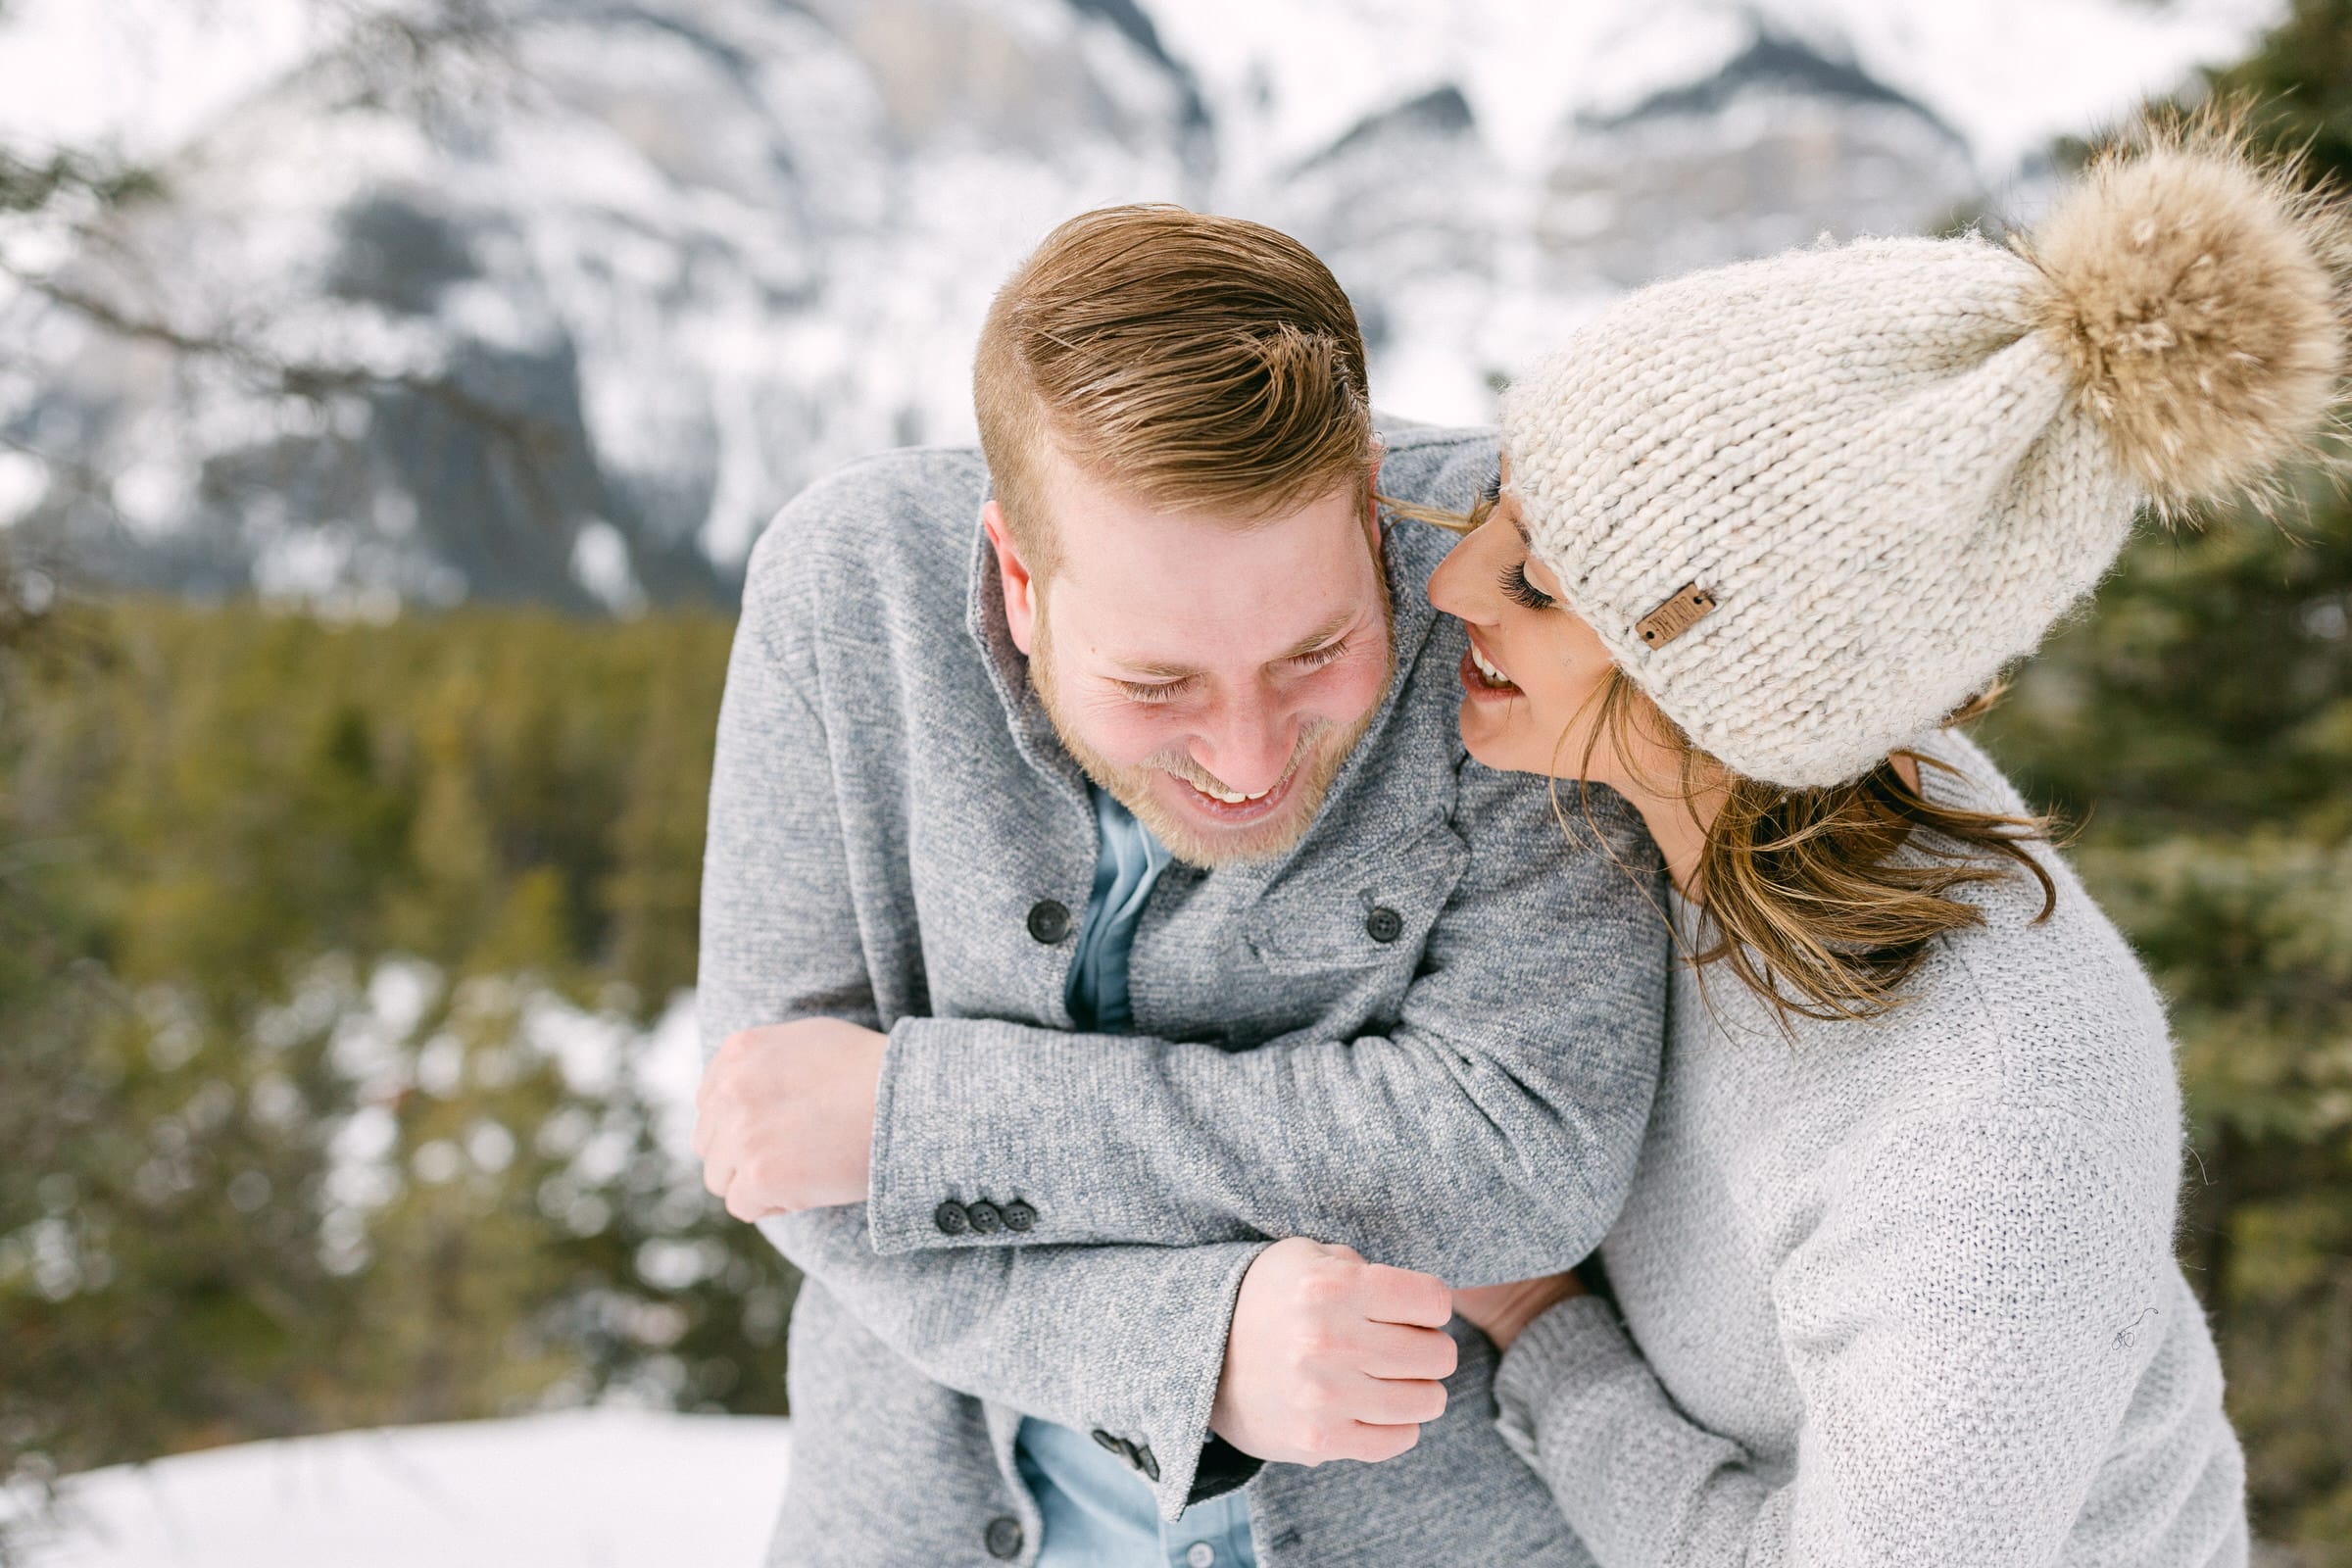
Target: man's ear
<point x="1020" y="589"/>
<point x="1372" y="505"/>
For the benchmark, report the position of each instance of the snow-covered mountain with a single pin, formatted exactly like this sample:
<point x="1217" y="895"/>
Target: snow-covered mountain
<point x="639" y="268"/>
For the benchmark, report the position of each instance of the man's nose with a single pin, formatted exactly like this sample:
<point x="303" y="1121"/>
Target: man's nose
<point x="1248" y="747"/>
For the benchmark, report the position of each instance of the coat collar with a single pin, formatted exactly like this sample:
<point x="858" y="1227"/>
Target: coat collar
<point x="1009" y="672"/>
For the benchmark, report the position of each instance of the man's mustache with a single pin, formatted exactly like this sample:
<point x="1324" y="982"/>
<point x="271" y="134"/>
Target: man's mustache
<point x="1180" y="762"/>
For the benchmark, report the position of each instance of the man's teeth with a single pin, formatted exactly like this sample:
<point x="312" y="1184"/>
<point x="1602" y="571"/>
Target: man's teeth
<point x="1486" y="667"/>
<point x="1232" y="797"/>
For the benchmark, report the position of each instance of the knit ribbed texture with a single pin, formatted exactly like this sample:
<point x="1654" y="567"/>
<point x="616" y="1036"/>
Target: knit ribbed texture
<point x="1901" y="1293"/>
<point x="1861" y="453"/>
<point x="1894" y="463"/>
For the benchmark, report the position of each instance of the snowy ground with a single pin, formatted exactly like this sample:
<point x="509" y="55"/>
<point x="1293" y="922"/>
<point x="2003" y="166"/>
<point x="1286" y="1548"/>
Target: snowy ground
<point x="588" y="1489"/>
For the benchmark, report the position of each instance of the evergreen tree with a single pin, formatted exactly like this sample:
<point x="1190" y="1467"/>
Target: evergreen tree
<point x="325" y="948"/>
<point x="2196" y="722"/>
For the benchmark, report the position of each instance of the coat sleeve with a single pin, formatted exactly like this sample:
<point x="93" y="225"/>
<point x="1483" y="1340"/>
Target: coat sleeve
<point x="1966" y="1325"/>
<point x="1127" y="1339"/>
<point x="1521" y="1066"/>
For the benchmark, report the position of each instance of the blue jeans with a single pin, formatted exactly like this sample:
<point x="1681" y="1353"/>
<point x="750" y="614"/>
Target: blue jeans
<point x="1099" y="1514"/>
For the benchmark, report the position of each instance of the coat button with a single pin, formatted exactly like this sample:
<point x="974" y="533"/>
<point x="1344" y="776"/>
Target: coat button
<point x="952" y="1218"/>
<point x="1384" y="924"/>
<point x="986" y="1217"/>
<point x="1200" y="1554"/>
<point x="1019" y="1216"/>
<point x="1003" y="1538"/>
<point x="1138" y="1457"/>
<point x="1049" y="922"/>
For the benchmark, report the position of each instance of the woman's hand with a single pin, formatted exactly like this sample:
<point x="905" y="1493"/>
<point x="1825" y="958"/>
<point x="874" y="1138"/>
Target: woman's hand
<point x="1330" y="1358"/>
<point x="1503" y="1311"/>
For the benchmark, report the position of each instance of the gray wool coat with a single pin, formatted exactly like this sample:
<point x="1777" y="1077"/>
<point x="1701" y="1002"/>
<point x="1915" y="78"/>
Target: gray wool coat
<point x="1430" y="1032"/>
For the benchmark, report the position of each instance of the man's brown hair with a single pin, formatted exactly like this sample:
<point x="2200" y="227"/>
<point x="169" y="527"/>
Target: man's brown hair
<point x="1188" y="360"/>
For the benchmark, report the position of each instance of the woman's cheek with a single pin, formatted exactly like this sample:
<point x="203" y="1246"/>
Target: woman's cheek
<point x="1559" y="711"/>
<point x="1516" y="744"/>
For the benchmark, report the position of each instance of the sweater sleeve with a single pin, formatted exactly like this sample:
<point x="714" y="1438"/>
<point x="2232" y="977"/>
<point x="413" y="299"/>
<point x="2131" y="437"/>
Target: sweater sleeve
<point x="1964" y="1322"/>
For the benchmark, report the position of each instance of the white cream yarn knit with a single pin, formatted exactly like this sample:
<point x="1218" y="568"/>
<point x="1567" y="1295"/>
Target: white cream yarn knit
<point x="1901" y="1293"/>
<point x="1894" y="464"/>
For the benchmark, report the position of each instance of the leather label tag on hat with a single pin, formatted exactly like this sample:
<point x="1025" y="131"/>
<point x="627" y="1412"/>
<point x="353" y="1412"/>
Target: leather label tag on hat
<point x="1689" y="606"/>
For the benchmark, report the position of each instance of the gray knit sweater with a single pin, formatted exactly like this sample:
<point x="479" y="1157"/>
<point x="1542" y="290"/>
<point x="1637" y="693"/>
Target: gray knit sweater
<point x="1903" y="1292"/>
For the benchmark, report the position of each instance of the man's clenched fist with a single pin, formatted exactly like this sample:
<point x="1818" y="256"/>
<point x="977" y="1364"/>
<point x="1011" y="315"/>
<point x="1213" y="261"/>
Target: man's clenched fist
<point x="785" y="1117"/>
<point x="1330" y="1358"/>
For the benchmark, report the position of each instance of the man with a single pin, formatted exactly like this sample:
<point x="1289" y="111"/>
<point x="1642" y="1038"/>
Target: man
<point x="1096" y="890"/>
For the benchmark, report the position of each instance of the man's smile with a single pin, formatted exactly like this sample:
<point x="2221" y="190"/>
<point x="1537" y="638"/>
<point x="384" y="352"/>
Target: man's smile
<point x="1232" y="808"/>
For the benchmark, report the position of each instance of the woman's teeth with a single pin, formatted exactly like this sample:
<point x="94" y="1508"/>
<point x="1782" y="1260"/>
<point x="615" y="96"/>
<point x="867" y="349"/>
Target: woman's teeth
<point x="1486" y="667"/>
<point x="1232" y="797"/>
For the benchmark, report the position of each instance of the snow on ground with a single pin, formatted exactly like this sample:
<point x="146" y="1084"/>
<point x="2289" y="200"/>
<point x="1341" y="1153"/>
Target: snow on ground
<point x="583" y="1489"/>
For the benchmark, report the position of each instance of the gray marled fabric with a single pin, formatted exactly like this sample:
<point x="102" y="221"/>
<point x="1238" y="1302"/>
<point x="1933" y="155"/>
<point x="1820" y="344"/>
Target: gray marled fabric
<point x="1903" y="1293"/>
<point x="890" y="802"/>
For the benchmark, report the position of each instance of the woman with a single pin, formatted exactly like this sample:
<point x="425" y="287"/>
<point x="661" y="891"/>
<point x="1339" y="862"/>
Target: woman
<point x="1895" y="1282"/>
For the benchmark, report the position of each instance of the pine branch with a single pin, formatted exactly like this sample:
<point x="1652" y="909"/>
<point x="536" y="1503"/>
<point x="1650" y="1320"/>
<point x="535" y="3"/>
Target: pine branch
<point x="312" y="381"/>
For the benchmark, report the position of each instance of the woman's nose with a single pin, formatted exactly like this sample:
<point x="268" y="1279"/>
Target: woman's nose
<point x="1452" y="586"/>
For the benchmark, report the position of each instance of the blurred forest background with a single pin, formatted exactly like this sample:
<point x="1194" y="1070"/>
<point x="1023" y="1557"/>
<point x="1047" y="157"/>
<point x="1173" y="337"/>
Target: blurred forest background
<point x="347" y="911"/>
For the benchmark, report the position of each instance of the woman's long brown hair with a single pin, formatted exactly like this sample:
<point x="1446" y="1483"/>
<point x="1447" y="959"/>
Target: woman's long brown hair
<point x="1824" y="901"/>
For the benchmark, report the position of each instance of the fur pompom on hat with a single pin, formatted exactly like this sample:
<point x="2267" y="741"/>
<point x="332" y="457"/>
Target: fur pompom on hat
<point x="1813" y="503"/>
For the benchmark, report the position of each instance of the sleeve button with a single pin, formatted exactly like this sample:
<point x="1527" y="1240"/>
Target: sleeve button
<point x="952" y="1218"/>
<point x="985" y="1216"/>
<point x="1019" y="1216"/>
<point x="1384" y="924"/>
<point x="1049" y="922"/>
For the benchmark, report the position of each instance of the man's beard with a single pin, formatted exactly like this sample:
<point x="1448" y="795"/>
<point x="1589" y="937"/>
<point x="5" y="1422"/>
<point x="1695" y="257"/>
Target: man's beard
<point x="1322" y="749"/>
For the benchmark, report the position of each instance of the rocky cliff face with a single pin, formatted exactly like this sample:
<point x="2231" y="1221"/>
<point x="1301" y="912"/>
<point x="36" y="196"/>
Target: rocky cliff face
<point x="575" y="331"/>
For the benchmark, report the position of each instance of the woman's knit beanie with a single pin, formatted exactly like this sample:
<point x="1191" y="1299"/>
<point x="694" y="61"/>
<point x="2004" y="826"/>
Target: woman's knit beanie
<point x="1813" y="503"/>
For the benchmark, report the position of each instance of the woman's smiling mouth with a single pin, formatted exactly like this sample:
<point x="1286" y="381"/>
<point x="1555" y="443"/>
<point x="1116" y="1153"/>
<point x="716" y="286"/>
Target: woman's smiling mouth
<point x="1483" y="677"/>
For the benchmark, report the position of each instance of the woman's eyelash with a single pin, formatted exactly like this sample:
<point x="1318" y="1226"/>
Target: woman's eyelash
<point x="1515" y="584"/>
<point x="1494" y="490"/>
